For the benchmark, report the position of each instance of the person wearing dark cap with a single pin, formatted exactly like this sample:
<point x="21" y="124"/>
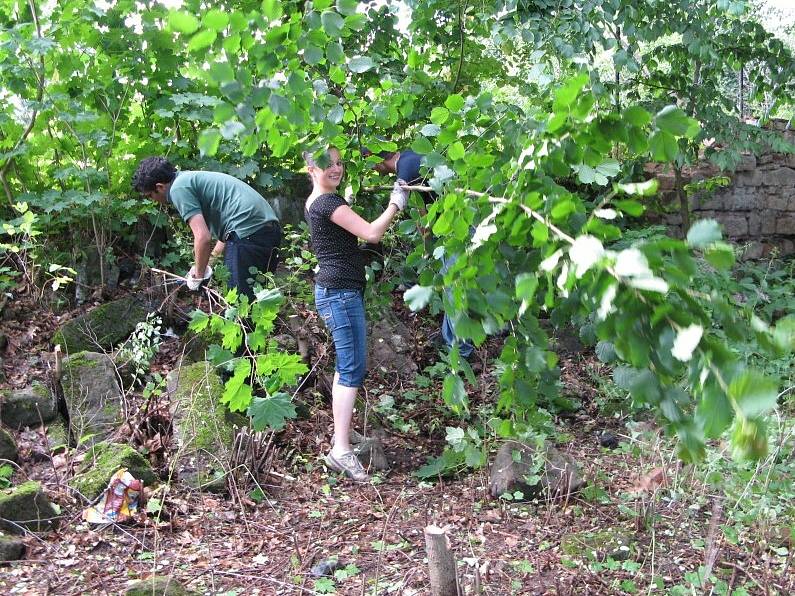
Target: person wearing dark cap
<point x="406" y="165"/>
<point x="216" y="206"/>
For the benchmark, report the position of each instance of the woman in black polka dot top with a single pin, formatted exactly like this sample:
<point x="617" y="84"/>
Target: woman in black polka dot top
<point x="339" y="293"/>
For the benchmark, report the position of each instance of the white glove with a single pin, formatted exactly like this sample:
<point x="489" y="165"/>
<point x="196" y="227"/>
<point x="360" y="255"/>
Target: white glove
<point x="193" y="282"/>
<point x="399" y="196"/>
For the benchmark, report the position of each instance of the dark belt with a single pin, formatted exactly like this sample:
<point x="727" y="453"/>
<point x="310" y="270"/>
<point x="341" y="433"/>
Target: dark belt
<point x="268" y="226"/>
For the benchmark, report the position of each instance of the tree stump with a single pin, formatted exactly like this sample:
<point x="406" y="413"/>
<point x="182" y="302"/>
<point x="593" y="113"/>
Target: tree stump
<point x="441" y="563"/>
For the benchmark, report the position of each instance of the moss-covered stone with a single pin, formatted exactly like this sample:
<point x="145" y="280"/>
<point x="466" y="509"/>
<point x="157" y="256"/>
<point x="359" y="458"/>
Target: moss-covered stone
<point x="102" y="327"/>
<point x="194" y="345"/>
<point x="157" y="585"/>
<point x="11" y="549"/>
<point x="204" y="428"/>
<point x="8" y="446"/>
<point x="102" y="461"/>
<point x="534" y="471"/>
<point x="598" y="545"/>
<point x="31" y="407"/>
<point x="26" y="507"/>
<point x="93" y="396"/>
<point x="57" y="435"/>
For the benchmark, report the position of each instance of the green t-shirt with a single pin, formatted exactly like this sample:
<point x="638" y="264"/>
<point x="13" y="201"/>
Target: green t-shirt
<point x="227" y="204"/>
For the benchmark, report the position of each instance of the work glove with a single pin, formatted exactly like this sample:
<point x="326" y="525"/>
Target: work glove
<point x="193" y="282"/>
<point x="399" y="196"/>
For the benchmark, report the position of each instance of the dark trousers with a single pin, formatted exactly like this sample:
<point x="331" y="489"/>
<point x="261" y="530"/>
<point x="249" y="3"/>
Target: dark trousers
<point x="258" y="252"/>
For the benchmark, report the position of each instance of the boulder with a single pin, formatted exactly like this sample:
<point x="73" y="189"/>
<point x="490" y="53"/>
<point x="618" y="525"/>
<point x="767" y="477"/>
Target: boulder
<point x="204" y="428"/>
<point x="598" y="545"/>
<point x="26" y="507"/>
<point x="93" y="396"/>
<point x="57" y="435"/>
<point x="389" y="347"/>
<point x="8" y="446"/>
<point x="11" y="549"/>
<point x="517" y="467"/>
<point x="102" y="461"/>
<point x="157" y="585"/>
<point x="102" y="327"/>
<point x="31" y="407"/>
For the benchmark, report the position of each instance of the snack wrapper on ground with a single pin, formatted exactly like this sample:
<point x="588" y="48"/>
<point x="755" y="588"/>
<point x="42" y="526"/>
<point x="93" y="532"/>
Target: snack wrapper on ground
<point x="119" y="501"/>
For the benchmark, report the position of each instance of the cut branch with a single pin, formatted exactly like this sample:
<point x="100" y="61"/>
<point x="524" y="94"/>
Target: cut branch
<point x="441" y="563"/>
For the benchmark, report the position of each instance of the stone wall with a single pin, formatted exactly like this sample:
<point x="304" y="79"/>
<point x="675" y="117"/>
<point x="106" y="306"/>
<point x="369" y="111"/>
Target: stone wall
<point x="756" y="210"/>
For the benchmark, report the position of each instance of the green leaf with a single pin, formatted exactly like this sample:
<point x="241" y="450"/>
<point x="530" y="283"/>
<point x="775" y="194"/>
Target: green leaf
<point x="454" y="394"/>
<point x="332" y="23"/>
<point x="201" y="40"/>
<point x="216" y="20"/>
<point x="422" y="146"/>
<point x="754" y="393"/>
<point x="454" y="103"/>
<point x="456" y="150"/>
<point x="417" y="297"/>
<point x="642" y="189"/>
<point x="714" y="412"/>
<point x="439" y="115"/>
<point x="703" y="232"/>
<point x="208" y="142"/>
<point x="630" y="207"/>
<point x="347" y="7"/>
<point x="720" y="255"/>
<point x="526" y="286"/>
<point x="360" y="64"/>
<point x="198" y="321"/>
<point x="271" y="412"/>
<point x="663" y="146"/>
<point x="673" y="120"/>
<point x="182" y="21"/>
<point x="272" y="9"/>
<point x="567" y="93"/>
<point x="237" y="393"/>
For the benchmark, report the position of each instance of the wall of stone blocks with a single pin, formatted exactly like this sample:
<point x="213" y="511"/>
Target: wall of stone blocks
<point x="757" y="210"/>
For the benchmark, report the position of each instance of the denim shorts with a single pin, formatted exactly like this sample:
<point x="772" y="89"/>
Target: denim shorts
<point x="343" y="312"/>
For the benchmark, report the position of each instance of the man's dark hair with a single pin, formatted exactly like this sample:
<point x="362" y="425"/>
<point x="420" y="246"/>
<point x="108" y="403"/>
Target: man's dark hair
<point x="151" y="171"/>
<point x="382" y="154"/>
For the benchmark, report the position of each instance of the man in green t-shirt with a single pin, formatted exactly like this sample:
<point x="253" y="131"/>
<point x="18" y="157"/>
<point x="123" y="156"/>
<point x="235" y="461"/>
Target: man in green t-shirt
<point x="216" y="206"/>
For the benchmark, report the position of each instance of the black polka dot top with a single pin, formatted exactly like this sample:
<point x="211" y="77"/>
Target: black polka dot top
<point x="337" y="250"/>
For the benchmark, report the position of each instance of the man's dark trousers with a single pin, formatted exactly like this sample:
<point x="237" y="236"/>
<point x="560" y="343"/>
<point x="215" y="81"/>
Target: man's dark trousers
<point x="259" y="250"/>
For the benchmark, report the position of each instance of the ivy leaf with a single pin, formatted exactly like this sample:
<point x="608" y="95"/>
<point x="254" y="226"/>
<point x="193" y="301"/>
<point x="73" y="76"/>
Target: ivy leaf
<point x="360" y="64"/>
<point x="703" y="233"/>
<point x="417" y="297"/>
<point x="271" y="412"/>
<point x="754" y="393"/>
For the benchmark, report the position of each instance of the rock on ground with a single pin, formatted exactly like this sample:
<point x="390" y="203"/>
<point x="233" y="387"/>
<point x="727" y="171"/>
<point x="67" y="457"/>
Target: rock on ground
<point x="157" y="585"/>
<point x="26" y="507"/>
<point x="11" y="549"/>
<point x="598" y="545"/>
<point x="204" y="428"/>
<point x="8" y="446"/>
<point x="389" y="347"/>
<point x="102" y="461"/>
<point x="102" y="327"/>
<point x="31" y="407"/>
<point x="93" y="396"/>
<point x="524" y="468"/>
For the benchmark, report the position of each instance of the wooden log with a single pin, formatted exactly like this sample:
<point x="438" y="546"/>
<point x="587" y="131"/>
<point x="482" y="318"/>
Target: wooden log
<point x="441" y="563"/>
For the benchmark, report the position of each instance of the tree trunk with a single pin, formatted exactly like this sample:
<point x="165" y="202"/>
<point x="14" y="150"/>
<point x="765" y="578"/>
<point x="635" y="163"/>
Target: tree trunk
<point x="441" y="563"/>
<point x="684" y="207"/>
